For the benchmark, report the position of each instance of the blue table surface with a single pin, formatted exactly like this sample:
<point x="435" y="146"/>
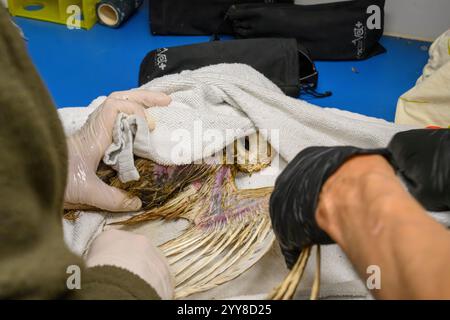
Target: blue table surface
<point x="79" y="65"/>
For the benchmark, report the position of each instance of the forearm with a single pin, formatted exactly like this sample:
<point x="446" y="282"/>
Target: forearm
<point x="34" y="259"/>
<point x="380" y="224"/>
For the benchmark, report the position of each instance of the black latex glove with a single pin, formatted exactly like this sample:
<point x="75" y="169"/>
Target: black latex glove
<point x="295" y="198"/>
<point x="422" y="158"/>
<point x="330" y="31"/>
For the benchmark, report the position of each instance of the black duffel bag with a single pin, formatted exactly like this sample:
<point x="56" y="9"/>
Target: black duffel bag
<point x="194" y="17"/>
<point x="348" y="30"/>
<point x="283" y="61"/>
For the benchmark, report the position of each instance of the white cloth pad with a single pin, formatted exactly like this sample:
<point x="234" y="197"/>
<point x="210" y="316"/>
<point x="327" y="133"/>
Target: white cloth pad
<point x="130" y="137"/>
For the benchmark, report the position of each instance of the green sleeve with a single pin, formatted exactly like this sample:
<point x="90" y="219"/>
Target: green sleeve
<point x="33" y="169"/>
<point x="113" y="283"/>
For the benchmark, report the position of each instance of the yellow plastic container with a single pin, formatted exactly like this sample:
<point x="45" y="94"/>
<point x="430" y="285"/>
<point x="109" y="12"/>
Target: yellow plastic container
<point x="57" y="11"/>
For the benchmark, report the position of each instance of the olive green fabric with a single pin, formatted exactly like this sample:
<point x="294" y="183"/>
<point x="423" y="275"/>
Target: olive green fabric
<point x="33" y="169"/>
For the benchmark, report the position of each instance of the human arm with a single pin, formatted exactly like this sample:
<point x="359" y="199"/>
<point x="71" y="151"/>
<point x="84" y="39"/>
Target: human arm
<point x="418" y="156"/>
<point x="33" y="173"/>
<point x="367" y="211"/>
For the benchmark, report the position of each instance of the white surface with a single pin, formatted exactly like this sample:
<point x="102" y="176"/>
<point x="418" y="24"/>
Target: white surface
<point x="422" y="19"/>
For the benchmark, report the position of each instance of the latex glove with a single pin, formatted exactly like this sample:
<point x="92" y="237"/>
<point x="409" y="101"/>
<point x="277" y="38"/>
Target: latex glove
<point x="87" y="146"/>
<point x="422" y="158"/>
<point x="294" y="201"/>
<point x="136" y="254"/>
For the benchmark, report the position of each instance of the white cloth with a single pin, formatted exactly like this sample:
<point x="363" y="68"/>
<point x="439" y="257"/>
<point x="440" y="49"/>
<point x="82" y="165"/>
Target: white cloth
<point x="130" y="136"/>
<point x="237" y="97"/>
<point x="79" y="234"/>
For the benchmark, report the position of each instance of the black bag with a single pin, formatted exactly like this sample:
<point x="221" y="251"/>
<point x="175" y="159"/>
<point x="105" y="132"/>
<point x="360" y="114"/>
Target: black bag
<point x="194" y="17"/>
<point x="294" y="200"/>
<point x="332" y="31"/>
<point x="283" y="61"/>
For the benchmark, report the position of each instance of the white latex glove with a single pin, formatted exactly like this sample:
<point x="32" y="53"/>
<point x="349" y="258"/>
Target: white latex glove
<point x="136" y="254"/>
<point x="87" y="146"/>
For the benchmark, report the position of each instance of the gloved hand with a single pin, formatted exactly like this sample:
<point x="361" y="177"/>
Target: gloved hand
<point x="136" y="254"/>
<point x="422" y="158"/>
<point x="294" y="201"/>
<point x="87" y="147"/>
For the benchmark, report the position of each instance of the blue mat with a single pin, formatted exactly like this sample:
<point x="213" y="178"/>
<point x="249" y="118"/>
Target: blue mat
<point x="79" y="65"/>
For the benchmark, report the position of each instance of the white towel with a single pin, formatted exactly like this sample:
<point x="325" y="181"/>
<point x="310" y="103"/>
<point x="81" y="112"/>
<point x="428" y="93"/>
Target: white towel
<point x="130" y="137"/>
<point x="237" y="97"/>
<point x="234" y="100"/>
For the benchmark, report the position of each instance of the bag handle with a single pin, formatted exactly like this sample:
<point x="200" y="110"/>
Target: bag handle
<point x="219" y="29"/>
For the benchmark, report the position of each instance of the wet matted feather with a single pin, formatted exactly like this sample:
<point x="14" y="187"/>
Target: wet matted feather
<point x="229" y="230"/>
<point x="159" y="183"/>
